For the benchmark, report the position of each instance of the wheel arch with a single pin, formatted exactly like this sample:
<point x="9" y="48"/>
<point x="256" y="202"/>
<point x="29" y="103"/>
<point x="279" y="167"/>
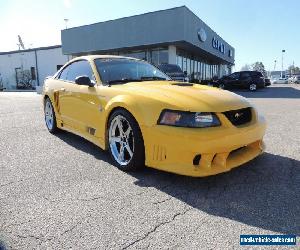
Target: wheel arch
<point x="45" y="97"/>
<point x="114" y="109"/>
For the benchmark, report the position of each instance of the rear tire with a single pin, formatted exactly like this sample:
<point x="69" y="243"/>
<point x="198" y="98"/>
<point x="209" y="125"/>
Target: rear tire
<point x="125" y="141"/>
<point x="50" y="118"/>
<point x="252" y="87"/>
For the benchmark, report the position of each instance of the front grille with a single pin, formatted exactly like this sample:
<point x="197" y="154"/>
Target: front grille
<point x="239" y="116"/>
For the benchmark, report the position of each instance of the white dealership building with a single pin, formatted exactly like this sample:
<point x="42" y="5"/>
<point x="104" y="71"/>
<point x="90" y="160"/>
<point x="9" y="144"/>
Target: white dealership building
<point x="174" y="36"/>
<point x="26" y="69"/>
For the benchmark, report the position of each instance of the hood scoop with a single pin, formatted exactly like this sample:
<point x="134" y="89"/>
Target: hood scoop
<point x="183" y="84"/>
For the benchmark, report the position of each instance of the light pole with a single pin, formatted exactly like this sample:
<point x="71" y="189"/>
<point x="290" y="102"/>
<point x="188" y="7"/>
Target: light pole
<point x="275" y="61"/>
<point x="282" y="63"/>
<point x="66" y="21"/>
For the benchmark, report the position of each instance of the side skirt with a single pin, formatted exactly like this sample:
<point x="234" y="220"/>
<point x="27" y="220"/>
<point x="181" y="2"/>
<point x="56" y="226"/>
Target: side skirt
<point x="97" y="141"/>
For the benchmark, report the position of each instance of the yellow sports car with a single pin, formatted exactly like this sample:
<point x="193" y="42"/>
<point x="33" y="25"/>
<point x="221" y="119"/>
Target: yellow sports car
<point x="143" y="118"/>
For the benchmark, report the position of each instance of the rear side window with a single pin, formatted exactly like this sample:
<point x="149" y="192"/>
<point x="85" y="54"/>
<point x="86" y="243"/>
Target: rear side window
<point x="245" y="75"/>
<point x="256" y="74"/>
<point x="235" y="75"/>
<point x="77" y="68"/>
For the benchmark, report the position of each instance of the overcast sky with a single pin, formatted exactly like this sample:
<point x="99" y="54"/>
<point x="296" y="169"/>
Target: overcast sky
<point x="257" y="29"/>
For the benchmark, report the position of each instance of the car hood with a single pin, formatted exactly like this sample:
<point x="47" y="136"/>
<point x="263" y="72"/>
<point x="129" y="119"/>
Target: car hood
<point x="185" y="96"/>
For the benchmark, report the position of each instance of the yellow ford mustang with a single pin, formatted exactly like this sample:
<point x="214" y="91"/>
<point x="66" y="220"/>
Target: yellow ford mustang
<point x="143" y="118"/>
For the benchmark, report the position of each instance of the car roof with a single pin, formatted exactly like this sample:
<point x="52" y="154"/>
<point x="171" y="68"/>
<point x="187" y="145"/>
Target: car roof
<point x="244" y="71"/>
<point x="93" y="57"/>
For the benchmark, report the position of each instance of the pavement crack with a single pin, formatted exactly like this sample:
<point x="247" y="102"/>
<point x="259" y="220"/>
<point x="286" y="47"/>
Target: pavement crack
<point x="39" y="238"/>
<point x="3" y="227"/>
<point x="50" y="200"/>
<point x="162" y="201"/>
<point x="153" y="230"/>
<point x="69" y="229"/>
<point x="91" y="199"/>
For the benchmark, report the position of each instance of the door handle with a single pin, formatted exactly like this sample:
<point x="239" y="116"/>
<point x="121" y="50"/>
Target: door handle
<point x="63" y="89"/>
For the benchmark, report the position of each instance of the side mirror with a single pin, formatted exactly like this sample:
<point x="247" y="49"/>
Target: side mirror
<point x="84" y="80"/>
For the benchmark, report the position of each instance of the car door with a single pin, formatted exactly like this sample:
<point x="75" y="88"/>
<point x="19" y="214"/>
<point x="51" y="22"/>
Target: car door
<point x="245" y="79"/>
<point x="81" y="103"/>
<point x="232" y="80"/>
<point x="62" y="96"/>
<point x="67" y="96"/>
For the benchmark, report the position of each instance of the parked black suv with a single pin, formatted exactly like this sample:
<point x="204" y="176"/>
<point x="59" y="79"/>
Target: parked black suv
<point x="173" y="71"/>
<point x="251" y="80"/>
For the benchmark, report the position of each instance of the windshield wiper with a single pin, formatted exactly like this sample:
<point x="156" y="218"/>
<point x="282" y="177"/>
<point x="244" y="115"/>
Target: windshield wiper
<point x="143" y="78"/>
<point x="151" y="78"/>
<point x="123" y="80"/>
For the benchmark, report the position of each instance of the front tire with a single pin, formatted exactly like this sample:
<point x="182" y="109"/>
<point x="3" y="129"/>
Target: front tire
<point x="50" y="118"/>
<point x="222" y="86"/>
<point x="126" y="145"/>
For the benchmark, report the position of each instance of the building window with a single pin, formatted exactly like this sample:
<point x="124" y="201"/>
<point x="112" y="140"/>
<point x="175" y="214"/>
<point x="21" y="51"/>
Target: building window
<point x="159" y="56"/>
<point x="179" y="61"/>
<point x="137" y="54"/>
<point x="33" y="75"/>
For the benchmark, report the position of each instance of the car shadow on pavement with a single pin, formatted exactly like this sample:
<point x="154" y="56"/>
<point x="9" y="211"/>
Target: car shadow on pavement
<point x="271" y="92"/>
<point x="84" y="145"/>
<point x="263" y="193"/>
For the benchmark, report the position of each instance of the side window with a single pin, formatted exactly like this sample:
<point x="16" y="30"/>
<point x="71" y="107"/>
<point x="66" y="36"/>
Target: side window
<point x="77" y="68"/>
<point x="63" y="75"/>
<point x="80" y="68"/>
<point x="234" y="76"/>
<point x="256" y="74"/>
<point x="245" y="75"/>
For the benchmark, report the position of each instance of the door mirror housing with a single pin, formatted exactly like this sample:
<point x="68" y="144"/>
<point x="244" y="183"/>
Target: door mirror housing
<point x="84" y="80"/>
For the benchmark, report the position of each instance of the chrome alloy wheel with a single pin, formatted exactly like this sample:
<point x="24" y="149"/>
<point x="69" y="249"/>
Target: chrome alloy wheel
<point x="121" y="140"/>
<point x="252" y="87"/>
<point x="49" y="115"/>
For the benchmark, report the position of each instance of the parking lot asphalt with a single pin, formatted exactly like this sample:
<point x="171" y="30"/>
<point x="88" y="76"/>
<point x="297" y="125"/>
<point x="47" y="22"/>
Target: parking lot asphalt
<point x="61" y="192"/>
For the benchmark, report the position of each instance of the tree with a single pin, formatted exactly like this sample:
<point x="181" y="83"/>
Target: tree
<point x="259" y="66"/>
<point x="246" y="67"/>
<point x="293" y="70"/>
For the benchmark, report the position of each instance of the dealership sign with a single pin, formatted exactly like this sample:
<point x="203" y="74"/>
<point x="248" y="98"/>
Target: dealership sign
<point x="216" y="44"/>
<point x="202" y="35"/>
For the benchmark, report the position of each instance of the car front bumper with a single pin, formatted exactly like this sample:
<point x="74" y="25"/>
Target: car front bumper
<point x="203" y="151"/>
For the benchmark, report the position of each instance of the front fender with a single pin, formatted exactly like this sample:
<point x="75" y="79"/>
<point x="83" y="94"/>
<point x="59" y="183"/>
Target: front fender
<point x="144" y="110"/>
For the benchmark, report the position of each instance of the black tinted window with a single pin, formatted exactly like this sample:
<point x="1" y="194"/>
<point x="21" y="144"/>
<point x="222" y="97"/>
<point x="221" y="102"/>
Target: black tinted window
<point x="256" y="74"/>
<point x="234" y="75"/>
<point x="245" y="74"/>
<point x="78" y="68"/>
<point x="170" y="68"/>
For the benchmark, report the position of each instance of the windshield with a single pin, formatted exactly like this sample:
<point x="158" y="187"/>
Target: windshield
<point x="170" y="68"/>
<point x="122" y="70"/>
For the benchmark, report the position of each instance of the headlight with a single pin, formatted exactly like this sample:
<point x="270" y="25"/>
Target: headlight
<point x="188" y="119"/>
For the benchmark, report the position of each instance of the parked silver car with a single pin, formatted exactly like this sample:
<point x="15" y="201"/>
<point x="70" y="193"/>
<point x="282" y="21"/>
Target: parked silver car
<point x="280" y="81"/>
